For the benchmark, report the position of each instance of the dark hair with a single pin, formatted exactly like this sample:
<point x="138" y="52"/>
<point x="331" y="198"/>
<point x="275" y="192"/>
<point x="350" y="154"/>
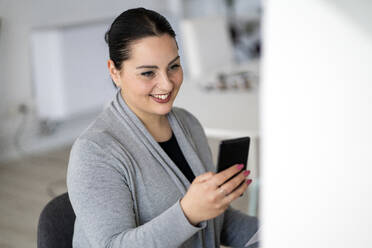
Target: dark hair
<point x="131" y="25"/>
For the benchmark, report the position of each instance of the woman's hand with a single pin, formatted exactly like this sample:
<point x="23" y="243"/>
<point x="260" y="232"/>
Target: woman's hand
<point x="210" y="195"/>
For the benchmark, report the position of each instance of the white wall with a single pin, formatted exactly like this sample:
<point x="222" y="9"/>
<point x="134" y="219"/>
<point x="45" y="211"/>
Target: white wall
<point x="316" y="113"/>
<point x="14" y="64"/>
<point x="197" y="8"/>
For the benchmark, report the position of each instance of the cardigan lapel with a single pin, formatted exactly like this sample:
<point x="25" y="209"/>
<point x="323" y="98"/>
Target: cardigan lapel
<point x="135" y="125"/>
<point x="186" y="144"/>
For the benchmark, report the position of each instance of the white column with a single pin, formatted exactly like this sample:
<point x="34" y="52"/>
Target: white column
<point x="316" y="116"/>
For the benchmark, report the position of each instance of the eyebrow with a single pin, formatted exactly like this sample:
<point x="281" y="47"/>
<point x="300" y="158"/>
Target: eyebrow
<point x="155" y="66"/>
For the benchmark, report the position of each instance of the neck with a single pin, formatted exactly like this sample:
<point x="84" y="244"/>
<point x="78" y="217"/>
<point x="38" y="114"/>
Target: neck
<point x="153" y="123"/>
<point x="160" y="129"/>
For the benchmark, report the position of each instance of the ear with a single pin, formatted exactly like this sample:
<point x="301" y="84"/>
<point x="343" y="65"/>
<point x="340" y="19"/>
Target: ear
<point x="114" y="73"/>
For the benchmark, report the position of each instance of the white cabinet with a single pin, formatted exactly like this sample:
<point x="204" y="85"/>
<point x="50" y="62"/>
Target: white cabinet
<point x="69" y="69"/>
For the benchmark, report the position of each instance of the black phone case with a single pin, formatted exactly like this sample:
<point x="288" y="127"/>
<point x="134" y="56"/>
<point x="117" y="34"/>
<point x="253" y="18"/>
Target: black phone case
<point x="233" y="151"/>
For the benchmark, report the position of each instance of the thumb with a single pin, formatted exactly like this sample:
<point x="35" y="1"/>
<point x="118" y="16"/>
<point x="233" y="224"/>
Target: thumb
<point x="203" y="177"/>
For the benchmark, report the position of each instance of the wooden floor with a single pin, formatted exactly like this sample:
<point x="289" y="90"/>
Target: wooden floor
<point x="26" y="185"/>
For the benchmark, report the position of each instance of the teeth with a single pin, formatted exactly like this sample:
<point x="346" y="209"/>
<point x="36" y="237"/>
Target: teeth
<point x="163" y="97"/>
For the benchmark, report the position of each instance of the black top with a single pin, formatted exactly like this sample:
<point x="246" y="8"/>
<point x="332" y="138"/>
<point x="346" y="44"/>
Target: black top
<point x="173" y="150"/>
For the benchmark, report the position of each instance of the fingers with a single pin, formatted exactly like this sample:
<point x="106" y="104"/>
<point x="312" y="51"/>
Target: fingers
<point x="224" y="175"/>
<point x="203" y="177"/>
<point x="237" y="193"/>
<point x="231" y="185"/>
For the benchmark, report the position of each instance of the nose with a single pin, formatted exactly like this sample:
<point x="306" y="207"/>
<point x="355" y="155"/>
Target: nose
<point x="165" y="83"/>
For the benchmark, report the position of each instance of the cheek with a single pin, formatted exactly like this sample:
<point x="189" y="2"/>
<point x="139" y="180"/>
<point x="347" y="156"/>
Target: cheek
<point x="178" y="77"/>
<point x="144" y="87"/>
<point x="140" y="86"/>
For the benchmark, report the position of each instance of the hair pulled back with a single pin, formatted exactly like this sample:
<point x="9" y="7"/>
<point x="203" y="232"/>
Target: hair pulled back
<point x="131" y="25"/>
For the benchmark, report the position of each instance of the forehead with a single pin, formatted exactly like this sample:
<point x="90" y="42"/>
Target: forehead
<point x="153" y="50"/>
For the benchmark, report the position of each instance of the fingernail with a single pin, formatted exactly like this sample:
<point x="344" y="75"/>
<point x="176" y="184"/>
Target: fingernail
<point x="246" y="173"/>
<point x="249" y="181"/>
<point x="240" y="166"/>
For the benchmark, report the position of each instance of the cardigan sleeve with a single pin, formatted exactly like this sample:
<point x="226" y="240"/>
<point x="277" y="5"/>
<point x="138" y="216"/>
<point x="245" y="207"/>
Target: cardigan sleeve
<point x="238" y="228"/>
<point x="103" y="205"/>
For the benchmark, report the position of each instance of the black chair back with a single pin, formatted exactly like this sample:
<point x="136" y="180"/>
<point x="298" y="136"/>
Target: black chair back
<point x="56" y="224"/>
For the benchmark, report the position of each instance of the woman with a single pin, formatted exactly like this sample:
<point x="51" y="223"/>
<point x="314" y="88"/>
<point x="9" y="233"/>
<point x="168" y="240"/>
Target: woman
<point x="141" y="175"/>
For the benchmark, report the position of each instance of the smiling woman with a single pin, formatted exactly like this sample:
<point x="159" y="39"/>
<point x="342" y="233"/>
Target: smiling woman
<point x="150" y="80"/>
<point x="142" y="174"/>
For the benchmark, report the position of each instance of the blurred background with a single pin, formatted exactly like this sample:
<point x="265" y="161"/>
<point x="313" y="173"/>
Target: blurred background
<point x="54" y="81"/>
<point x="305" y="99"/>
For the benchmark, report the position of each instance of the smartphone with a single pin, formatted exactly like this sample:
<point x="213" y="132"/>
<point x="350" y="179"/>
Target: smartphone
<point x="233" y="151"/>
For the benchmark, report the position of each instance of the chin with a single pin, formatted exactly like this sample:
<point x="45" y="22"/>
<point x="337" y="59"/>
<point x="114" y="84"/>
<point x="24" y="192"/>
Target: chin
<point x="165" y="110"/>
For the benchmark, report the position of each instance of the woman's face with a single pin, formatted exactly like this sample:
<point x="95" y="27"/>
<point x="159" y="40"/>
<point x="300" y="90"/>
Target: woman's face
<point x="153" y="71"/>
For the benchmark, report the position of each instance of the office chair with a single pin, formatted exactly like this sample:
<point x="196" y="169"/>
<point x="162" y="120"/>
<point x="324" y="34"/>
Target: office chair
<point x="56" y="224"/>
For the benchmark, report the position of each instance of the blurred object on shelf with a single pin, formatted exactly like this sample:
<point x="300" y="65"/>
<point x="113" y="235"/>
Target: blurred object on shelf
<point x="234" y="78"/>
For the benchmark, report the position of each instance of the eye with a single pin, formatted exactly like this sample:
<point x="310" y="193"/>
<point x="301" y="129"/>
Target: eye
<point x="174" y="67"/>
<point x="148" y="73"/>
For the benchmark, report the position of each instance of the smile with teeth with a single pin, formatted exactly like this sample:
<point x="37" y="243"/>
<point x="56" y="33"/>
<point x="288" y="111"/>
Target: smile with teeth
<point x="163" y="97"/>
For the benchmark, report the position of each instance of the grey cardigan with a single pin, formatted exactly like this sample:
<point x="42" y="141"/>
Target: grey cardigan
<point x="126" y="191"/>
